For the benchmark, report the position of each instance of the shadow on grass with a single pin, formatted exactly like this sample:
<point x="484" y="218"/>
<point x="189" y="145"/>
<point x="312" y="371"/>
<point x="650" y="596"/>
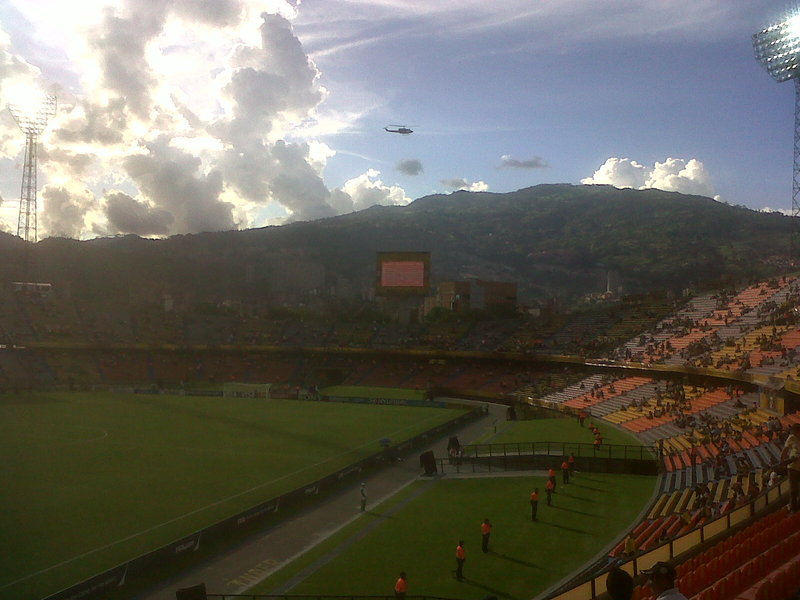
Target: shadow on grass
<point x="559" y="526"/>
<point x="580" y="498"/>
<point x="517" y="560"/>
<point x="588" y="487"/>
<point x="577" y="512"/>
<point x="496" y="592"/>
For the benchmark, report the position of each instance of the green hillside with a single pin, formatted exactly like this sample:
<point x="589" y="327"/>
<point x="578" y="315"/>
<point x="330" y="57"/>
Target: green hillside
<point x="553" y="240"/>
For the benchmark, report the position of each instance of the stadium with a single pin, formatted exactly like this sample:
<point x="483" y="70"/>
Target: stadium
<point x="680" y="452"/>
<point x="224" y="377"/>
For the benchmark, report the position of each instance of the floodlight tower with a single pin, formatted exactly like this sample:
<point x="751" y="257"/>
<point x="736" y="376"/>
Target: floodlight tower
<point x="32" y="121"/>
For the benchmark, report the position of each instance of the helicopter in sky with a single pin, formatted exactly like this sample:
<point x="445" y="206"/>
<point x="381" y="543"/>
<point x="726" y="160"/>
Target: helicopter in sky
<point x="401" y="129"/>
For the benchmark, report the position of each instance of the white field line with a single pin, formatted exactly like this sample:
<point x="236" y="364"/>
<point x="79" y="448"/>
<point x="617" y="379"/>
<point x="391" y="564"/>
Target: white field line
<point x="199" y="510"/>
<point x="322" y="538"/>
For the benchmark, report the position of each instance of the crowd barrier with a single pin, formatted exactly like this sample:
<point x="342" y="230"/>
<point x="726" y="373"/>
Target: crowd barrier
<point x="256" y="516"/>
<point x="607" y="458"/>
<point x="593" y="587"/>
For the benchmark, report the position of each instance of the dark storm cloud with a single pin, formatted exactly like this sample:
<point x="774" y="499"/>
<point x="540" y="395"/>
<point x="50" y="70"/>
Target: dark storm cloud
<point x="272" y="79"/>
<point x="456" y="183"/>
<point x="120" y="45"/>
<point x="93" y="123"/>
<point x="536" y="162"/>
<point x="77" y="163"/>
<point x="128" y="215"/>
<point x="64" y="210"/>
<point x="410" y="166"/>
<point x="174" y="182"/>
<point x="297" y="186"/>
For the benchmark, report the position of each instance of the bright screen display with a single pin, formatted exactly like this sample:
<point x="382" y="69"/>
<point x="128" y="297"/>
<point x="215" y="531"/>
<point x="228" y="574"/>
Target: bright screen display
<point x="403" y="273"/>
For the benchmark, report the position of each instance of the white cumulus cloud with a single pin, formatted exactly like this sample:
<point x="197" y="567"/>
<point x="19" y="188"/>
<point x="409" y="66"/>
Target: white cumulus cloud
<point x="367" y="190"/>
<point x="459" y="183"/>
<point x="178" y="116"/>
<point x="672" y="175"/>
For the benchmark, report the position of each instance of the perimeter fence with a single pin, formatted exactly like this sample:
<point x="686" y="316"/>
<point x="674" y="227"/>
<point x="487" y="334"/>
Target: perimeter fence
<point x="543" y="455"/>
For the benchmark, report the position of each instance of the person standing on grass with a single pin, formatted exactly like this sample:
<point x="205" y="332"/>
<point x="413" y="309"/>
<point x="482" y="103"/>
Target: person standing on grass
<point x="461" y="557"/>
<point x="565" y="471"/>
<point x="791" y="454"/>
<point x="401" y="586"/>
<point x="486" y="531"/>
<point x="571" y="462"/>
<point x="548" y="488"/>
<point x="534" y="503"/>
<point x="363" y="497"/>
<point x="551" y="476"/>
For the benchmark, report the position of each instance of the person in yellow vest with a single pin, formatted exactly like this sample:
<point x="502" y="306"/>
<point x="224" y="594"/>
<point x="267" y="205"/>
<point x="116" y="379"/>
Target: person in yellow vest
<point x="401" y="586"/>
<point x="461" y="557"/>
<point x="486" y="531"/>
<point x="534" y="503"/>
<point x="630" y="545"/>
<point x="791" y="454"/>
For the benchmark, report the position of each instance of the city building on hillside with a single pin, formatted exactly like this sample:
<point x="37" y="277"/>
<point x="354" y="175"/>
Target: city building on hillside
<point x="476" y="294"/>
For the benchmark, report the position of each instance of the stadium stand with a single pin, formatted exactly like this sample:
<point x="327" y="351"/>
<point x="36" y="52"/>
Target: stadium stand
<point x="719" y="443"/>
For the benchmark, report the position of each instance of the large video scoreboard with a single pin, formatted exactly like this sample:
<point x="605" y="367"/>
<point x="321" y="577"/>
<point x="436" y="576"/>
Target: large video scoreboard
<point x="403" y="273"/>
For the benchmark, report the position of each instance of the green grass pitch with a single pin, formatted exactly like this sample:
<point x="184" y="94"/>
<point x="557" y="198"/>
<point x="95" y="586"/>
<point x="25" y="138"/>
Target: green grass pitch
<point x="358" y="391"/>
<point x="419" y="533"/>
<point x="92" y="480"/>
<point x="558" y="429"/>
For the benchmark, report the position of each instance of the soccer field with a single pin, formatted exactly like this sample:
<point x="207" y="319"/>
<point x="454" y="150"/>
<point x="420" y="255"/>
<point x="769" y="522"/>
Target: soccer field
<point x="559" y="429"/>
<point x="93" y="480"/>
<point x="418" y="532"/>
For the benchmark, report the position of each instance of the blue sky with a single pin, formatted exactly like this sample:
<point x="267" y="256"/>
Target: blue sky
<point x="178" y="116"/>
<point x="570" y="87"/>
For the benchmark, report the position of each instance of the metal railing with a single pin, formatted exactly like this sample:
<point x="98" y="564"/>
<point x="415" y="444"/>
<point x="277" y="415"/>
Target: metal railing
<point x="561" y="449"/>
<point x="593" y="587"/>
<point x="526" y="456"/>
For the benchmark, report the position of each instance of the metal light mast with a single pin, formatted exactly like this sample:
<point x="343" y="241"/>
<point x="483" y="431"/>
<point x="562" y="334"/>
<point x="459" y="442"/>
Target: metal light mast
<point x="32" y="123"/>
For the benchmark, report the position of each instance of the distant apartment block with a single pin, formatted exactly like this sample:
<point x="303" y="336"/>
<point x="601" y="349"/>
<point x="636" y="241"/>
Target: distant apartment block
<point x="475" y="294"/>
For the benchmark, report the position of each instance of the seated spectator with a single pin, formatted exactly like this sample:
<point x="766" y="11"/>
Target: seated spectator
<point x="619" y="584"/>
<point x="661" y="577"/>
<point x="774" y="478"/>
<point x="630" y="545"/>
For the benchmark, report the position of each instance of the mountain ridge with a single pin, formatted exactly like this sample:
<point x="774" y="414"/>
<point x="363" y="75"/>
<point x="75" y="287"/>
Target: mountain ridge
<point x="552" y="239"/>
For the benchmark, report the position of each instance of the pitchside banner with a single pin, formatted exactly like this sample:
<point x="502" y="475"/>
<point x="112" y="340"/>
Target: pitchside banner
<point x="403" y="273"/>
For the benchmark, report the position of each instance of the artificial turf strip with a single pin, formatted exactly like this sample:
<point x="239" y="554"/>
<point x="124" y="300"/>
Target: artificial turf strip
<point x="559" y="429"/>
<point x="526" y="557"/>
<point x="93" y="480"/>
